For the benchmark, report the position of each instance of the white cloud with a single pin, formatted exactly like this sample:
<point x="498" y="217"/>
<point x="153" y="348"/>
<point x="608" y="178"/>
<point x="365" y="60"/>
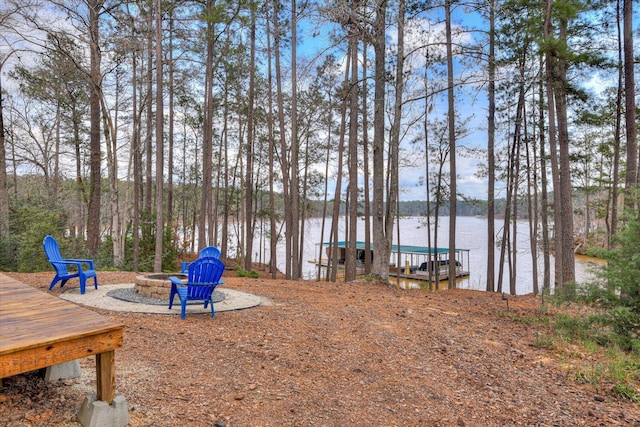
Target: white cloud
<point x="597" y="84"/>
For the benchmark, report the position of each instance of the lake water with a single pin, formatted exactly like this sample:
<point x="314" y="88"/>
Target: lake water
<point x="471" y="234"/>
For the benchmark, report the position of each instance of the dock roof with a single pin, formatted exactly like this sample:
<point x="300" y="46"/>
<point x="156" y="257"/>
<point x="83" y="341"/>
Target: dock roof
<point x="409" y="249"/>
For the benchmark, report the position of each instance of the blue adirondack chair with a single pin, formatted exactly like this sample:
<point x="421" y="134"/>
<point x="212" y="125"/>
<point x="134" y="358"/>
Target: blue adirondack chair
<point x="203" y="276"/>
<point x="52" y="250"/>
<point x="209" y="251"/>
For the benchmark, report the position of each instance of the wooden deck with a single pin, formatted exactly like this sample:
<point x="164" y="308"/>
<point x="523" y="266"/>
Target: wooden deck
<point x="39" y="330"/>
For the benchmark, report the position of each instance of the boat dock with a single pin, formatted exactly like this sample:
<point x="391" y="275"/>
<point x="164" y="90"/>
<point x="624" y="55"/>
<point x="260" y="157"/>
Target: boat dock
<point x="414" y="263"/>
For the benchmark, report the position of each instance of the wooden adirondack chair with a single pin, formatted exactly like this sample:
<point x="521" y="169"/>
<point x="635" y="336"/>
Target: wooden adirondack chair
<point x="52" y="250"/>
<point x="209" y="251"/>
<point x="203" y="276"/>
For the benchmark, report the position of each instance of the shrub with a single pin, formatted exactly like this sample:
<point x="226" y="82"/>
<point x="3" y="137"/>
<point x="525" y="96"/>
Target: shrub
<point x="146" y="248"/>
<point x="36" y="223"/>
<point x="244" y="273"/>
<point x="8" y="254"/>
<point x="618" y="288"/>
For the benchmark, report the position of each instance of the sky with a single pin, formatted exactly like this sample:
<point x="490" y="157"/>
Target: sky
<point x="412" y="177"/>
<point x="469" y="104"/>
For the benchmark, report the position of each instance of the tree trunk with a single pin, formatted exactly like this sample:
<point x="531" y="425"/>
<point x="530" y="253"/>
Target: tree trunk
<point x="532" y="204"/>
<point x="332" y="267"/>
<point x="284" y="162"/>
<point x="81" y="192"/>
<point x="93" y="220"/>
<point x="294" y="148"/>
<point x="148" y="141"/>
<point x="351" y="255"/>
<point x="207" y="137"/>
<point x="249" y="229"/>
<point x="491" y="133"/>
<point x="513" y="264"/>
<point x="4" y="191"/>
<point x="453" y="194"/>
<point x="394" y="140"/>
<point x="170" y="141"/>
<point x="514" y="170"/>
<point x="227" y="191"/>
<point x="427" y="109"/>
<point x="365" y="163"/>
<point x="566" y="210"/>
<point x="380" y="243"/>
<point x="553" y="144"/>
<point x="616" y="138"/>
<point x="137" y="159"/>
<point x="631" y="182"/>
<point x="546" y="247"/>
<point x="157" y="267"/>
<point x="111" y="142"/>
<point x="273" y="236"/>
<point x="326" y="182"/>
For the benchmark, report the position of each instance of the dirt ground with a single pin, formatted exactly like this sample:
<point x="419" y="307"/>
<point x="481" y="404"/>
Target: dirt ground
<point x="335" y="354"/>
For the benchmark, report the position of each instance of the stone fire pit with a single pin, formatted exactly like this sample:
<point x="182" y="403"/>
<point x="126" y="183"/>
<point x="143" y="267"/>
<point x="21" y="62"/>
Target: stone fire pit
<point x="155" y="285"/>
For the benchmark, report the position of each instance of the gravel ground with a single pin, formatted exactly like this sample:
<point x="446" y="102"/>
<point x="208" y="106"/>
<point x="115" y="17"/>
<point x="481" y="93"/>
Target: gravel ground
<point x="336" y="354"/>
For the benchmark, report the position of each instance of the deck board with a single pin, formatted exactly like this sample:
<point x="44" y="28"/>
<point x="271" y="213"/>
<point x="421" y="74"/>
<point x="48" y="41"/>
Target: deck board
<point x="39" y="330"/>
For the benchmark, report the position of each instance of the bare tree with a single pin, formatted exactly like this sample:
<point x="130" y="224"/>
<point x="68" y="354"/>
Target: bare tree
<point x="110" y="129"/>
<point x="4" y="192"/>
<point x="6" y="23"/>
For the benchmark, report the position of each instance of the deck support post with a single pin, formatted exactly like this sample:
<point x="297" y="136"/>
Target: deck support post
<point x="106" y="376"/>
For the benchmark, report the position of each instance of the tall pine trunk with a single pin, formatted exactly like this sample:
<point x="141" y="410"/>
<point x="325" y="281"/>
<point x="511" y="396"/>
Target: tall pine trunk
<point x="491" y="168"/>
<point x="157" y="265"/>
<point x="380" y="242"/>
<point x="273" y="236"/>
<point x="566" y="210"/>
<point x="95" y="182"/>
<point x="4" y="191"/>
<point x="550" y="59"/>
<point x="284" y="161"/>
<point x="352" y="217"/>
<point x="631" y="183"/>
<point x="451" y="117"/>
<point x="204" y="220"/>
<point x="249" y="228"/>
<point x="294" y="192"/>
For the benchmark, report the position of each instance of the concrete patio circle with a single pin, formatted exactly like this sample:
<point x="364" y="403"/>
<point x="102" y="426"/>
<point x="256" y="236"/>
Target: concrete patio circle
<point x="98" y="298"/>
